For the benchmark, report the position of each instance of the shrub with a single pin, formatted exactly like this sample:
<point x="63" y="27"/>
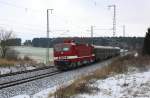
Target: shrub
<point x="79" y="86"/>
<point x="27" y="58"/>
<point x="146" y="47"/>
<point x="12" y="54"/>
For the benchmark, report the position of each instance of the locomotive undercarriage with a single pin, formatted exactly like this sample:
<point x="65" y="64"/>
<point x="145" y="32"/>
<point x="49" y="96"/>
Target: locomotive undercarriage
<point x="66" y="65"/>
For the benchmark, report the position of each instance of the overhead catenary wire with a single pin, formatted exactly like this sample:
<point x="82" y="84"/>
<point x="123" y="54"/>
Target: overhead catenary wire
<point x="22" y="27"/>
<point x="28" y="28"/>
<point x="20" y="7"/>
<point x="32" y="27"/>
<point x="21" y="23"/>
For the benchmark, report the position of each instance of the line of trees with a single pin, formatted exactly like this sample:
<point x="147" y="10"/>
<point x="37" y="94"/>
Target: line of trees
<point x="127" y="42"/>
<point x="41" y="42"/>
<point x="14" y="42"/>
<point x="4" y="36"/>
<point x="7" y="39"/>
<point x="146" y="46"/>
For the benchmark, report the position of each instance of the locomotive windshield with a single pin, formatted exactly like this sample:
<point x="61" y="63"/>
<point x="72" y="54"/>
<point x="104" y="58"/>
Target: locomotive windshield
<point x="62" y="47"/>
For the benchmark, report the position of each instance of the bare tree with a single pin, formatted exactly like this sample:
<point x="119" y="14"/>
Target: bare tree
<point x="4" y="36"/>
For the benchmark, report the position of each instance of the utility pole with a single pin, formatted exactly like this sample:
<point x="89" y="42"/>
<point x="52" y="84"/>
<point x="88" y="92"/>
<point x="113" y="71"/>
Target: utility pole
<point x="92" y="34"/>
<point x="47" y="52"/>
<point x="91" y="31"/>
<point x="124" y="38"/>
<point x="124" y="31"/>
<point x="114" y="19"/>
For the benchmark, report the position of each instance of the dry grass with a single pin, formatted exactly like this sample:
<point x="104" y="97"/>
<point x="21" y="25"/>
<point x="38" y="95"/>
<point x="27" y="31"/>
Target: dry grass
<point x="6" y="63"/>
<point x="119" y="65"/>
<point x="78" y="86"/>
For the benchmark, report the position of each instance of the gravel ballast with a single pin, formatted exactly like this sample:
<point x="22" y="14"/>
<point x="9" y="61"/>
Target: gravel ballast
<point x="25" y="75"/>
<point x="36" y="86"/>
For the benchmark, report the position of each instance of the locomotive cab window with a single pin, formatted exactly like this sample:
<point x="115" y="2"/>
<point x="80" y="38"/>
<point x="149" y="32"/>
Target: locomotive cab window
<point x="65" y="49"/>
<point x="62" y="47"/>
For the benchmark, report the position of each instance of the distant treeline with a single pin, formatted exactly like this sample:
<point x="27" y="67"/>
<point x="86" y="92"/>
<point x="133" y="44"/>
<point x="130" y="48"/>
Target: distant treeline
<point x="123" y="42"/>
<point x="146" y="46"/>
<point x="13" y="42"/>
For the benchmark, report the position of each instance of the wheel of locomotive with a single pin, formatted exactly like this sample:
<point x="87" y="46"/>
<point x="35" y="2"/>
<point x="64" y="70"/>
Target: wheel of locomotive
<point x="79" y="64"/>
<point x="88" y="62"/>
<point x="85" y="62"/>
<point x="62" y="68"/>
<point x="91" y="61"/>
<point x="73" y="65"/>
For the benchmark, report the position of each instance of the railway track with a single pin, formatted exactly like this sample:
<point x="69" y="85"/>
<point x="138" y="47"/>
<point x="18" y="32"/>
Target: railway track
<point x="26" y="71"/>
<point x="24" y="74"/>
<point x="28" y="79"/>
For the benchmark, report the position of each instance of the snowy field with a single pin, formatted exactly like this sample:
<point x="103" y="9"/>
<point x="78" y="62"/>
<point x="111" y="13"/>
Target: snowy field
<point x="132" y="85"/>
<point x="36" y="53"/>
<point x="123" y="86"/>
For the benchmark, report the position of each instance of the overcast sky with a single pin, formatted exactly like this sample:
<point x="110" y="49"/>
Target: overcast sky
<point x="27" y="18"/>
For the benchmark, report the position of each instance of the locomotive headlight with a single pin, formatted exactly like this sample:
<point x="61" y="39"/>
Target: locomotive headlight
<point x="62" y="52"/>
<point x="63" y="57"/>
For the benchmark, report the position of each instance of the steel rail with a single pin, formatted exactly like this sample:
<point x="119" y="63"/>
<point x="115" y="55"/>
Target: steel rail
<point x="26" y="71"/>
<point x="25" y="80"/>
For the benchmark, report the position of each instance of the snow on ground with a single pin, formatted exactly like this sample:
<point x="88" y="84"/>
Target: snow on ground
<point x="21" y="96"/>
<point x="44" y="93"/>
<point x="6" y="70"/>
<point x="135" y="85"/>
<point x="123" y="86"/>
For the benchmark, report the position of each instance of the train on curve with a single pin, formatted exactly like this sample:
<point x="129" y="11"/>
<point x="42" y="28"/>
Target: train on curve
<point x="69" y="55"/>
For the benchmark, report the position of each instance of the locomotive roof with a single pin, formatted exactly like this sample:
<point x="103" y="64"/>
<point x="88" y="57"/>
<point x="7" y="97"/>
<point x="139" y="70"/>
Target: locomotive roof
<point x="106" y="47"/>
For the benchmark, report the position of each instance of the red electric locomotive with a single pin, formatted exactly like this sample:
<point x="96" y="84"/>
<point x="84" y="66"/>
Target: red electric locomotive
<point x="69" y="54"/>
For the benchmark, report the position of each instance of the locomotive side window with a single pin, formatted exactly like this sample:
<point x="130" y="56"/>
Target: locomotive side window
<point x="57" y="47"/>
